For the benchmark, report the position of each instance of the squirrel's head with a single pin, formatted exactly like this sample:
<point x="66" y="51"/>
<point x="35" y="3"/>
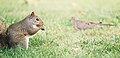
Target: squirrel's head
<point x="35" y="21"/>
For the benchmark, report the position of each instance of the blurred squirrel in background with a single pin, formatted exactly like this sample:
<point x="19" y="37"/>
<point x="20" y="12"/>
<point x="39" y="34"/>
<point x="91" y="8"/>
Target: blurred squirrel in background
<point x="18" y="33"/>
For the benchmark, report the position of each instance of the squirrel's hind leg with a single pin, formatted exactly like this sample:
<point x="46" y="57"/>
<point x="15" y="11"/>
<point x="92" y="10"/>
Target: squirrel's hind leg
<point x="25" y="42"/>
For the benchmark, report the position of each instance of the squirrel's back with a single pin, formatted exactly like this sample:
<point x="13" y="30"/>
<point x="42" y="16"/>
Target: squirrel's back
<point x="31" y="24"/>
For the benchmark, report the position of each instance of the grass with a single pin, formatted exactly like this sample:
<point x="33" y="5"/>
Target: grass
<point x="60" y="39"/>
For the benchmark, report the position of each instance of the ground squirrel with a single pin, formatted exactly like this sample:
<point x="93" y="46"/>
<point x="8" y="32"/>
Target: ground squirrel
<point x="18" y="33"/>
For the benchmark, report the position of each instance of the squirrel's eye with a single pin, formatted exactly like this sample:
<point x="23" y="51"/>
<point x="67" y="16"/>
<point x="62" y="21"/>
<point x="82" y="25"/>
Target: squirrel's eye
<point x="37" y="19"/>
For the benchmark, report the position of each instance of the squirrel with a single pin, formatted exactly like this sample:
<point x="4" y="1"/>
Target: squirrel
<point x="19" y="33"/>
<point x="3" y="42"/>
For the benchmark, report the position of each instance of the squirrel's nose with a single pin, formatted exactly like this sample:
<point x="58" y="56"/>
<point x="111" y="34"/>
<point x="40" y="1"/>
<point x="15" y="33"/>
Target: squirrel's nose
<point x="42" y="29"/>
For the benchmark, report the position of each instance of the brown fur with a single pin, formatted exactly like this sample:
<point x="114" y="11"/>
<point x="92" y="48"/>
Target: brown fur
<point x="17" y="32"/>
<point x="3" y="42"/>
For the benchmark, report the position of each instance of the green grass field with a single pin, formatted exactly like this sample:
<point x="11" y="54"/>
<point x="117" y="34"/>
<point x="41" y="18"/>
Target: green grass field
<point x="60" y="39"/>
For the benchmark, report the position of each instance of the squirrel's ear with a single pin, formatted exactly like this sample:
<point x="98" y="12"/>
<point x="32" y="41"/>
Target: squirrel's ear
<point x="32" y="14"/>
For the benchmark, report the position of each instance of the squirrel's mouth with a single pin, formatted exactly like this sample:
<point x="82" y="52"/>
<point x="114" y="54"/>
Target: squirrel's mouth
<point x="41" y="27"/>
<point x="38" y="25"/>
